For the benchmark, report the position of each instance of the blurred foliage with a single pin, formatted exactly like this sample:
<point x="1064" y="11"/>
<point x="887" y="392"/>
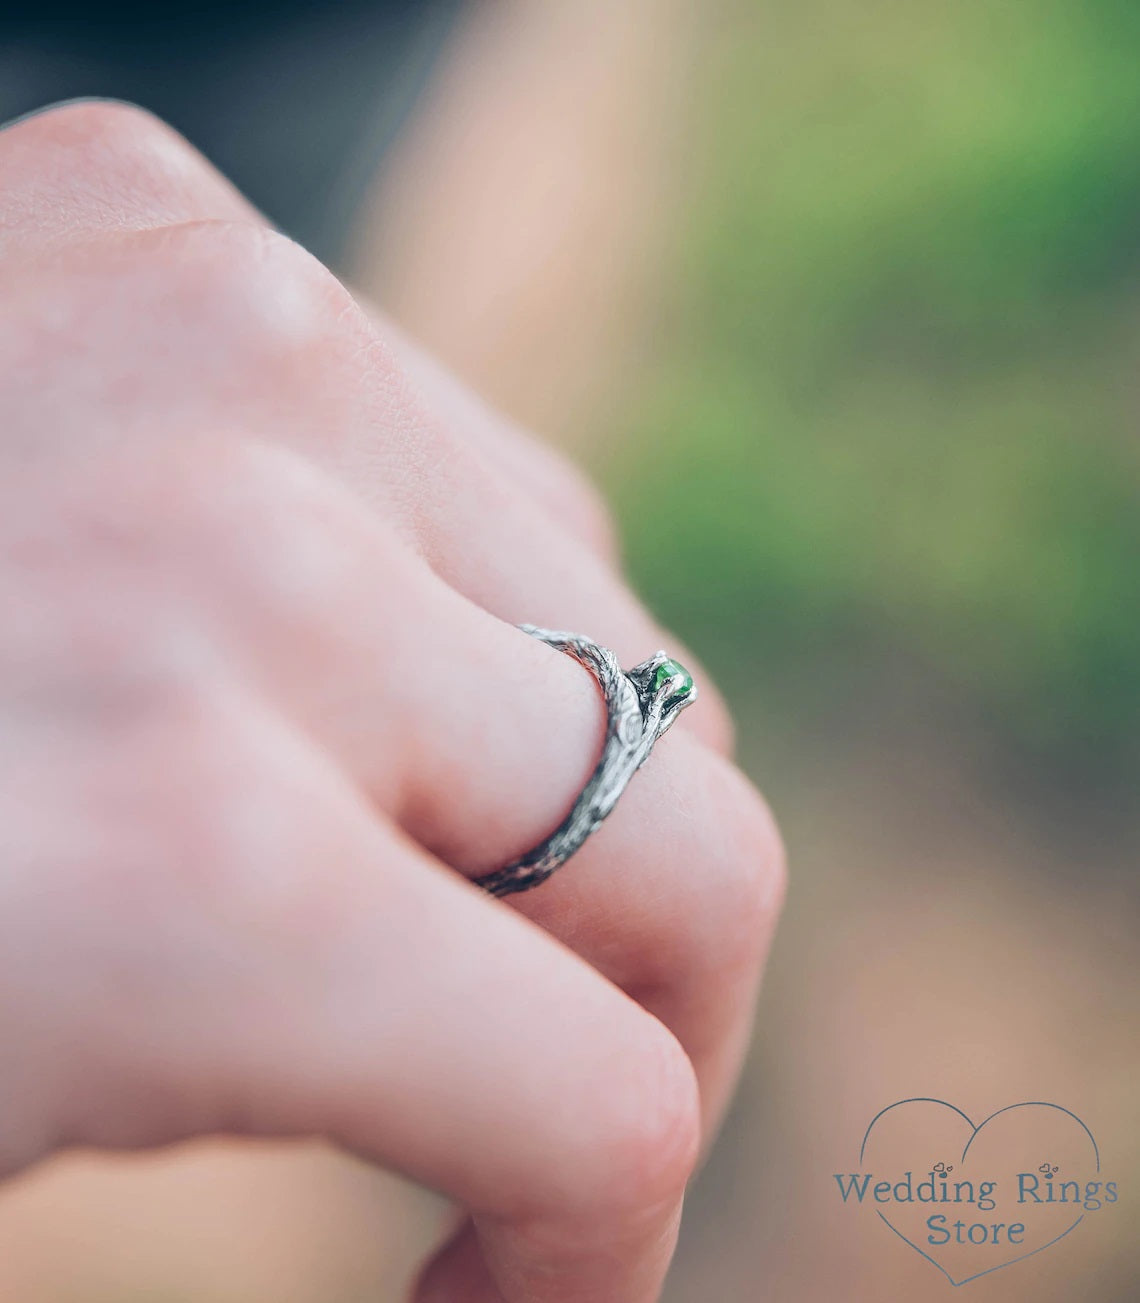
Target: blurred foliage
<point x="892" y="399"/>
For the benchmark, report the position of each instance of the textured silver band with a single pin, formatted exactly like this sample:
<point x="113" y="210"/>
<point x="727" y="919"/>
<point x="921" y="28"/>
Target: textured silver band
<point x="641" y="704"/>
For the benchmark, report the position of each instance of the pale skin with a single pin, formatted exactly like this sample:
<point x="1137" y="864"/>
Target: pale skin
<point x="263" y="711"/>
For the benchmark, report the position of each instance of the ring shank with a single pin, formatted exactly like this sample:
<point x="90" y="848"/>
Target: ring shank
<point x="635" y="717"/>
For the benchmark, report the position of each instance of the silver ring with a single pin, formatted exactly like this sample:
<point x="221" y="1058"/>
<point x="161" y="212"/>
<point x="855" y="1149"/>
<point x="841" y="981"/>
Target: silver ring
<point x="641" y="705"/>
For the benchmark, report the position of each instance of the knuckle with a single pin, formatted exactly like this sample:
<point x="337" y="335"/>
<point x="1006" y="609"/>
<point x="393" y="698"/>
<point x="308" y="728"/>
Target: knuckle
<point x="715" y="926"/>
<point x="757" y="869"/>
<point x="107" y="159"/>
<point x="182" y="329"/>
<point x="261" y="295"/>
<point x="116" y="125"/>
<point x="106" y="125"/>
<point x="650" y="1134"/>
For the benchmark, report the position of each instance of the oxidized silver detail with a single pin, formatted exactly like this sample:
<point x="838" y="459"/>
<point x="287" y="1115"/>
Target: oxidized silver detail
<point x="638" y="713"/>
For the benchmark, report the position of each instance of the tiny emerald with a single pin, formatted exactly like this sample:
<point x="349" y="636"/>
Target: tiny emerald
<point x="673" y="669"/>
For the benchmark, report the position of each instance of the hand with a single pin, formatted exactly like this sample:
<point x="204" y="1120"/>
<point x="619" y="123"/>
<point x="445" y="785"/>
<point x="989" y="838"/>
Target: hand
<point x="261" y="708"/>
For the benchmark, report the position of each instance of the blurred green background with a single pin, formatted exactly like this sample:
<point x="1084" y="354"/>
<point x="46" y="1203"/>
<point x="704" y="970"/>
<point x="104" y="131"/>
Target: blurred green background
<point x="893" y="409"/>
<point x="884" y="475"/>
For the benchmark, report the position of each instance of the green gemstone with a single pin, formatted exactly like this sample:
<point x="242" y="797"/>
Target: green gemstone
<point x="673" y="669"/>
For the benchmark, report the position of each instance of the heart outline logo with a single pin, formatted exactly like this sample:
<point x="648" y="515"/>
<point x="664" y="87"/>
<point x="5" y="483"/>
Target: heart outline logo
<point x="974" y="1132"/>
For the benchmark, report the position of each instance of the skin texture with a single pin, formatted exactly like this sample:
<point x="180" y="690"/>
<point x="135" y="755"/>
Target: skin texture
<point x="262" y="708"/>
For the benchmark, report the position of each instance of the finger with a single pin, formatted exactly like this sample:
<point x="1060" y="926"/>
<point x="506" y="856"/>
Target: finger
<point x="473" y="736"/>
<point x="263" y="329"/>
<point x="91" y="167"/>
<point x="286" y="964"/>
<point x="74" y="169"/>
<point x="542" y="509"/>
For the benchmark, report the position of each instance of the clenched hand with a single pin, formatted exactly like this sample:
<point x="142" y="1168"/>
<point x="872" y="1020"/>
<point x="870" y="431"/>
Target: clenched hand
<point x="263" y="710"/>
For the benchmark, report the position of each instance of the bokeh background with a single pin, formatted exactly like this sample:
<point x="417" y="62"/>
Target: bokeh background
<point x="841" y="302"/>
